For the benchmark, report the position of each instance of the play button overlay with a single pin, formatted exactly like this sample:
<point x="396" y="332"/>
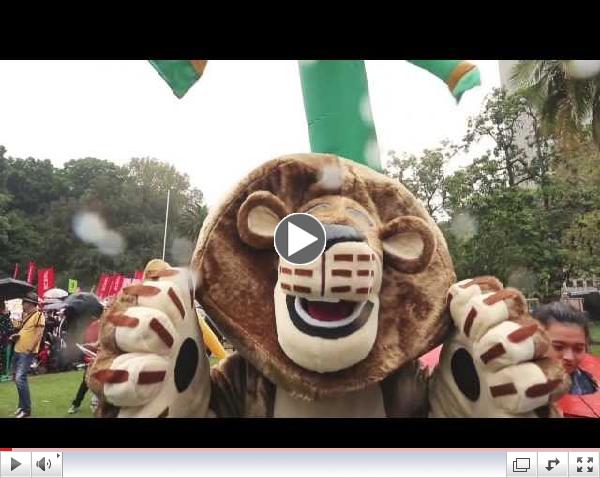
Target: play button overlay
<point x="14" y="464"/>
<point x="299" y="238"/>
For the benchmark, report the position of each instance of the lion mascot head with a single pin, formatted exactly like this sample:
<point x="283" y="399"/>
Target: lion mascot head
<point x="372" y="302"/>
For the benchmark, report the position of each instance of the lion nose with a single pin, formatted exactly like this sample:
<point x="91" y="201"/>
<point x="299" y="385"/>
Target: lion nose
<point x="335" y="233"/>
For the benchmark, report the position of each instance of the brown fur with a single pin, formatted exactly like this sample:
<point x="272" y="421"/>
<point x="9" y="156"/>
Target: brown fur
<point x="240" y="390"/>
<point x="236" y="281"/>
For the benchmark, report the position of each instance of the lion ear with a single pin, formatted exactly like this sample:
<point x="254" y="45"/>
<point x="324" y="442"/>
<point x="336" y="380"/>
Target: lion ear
<point x="408" y="244"/>
<point x="258" y="217"/>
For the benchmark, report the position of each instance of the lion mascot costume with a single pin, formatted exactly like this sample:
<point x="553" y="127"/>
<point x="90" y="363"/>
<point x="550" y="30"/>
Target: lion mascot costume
<point x="339" y="337"/>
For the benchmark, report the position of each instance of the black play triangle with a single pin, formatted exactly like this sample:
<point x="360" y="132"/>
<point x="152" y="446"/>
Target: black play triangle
<point x="14" y="464"/>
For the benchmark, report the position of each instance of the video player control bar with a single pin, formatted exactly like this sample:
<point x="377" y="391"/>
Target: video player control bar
<point x="297" y="463"/>
<point x="31" y="464"/>
<point x="553" y="464"/>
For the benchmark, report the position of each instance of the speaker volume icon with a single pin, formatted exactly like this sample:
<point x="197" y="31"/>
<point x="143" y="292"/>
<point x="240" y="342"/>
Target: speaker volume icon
<point x="43" y="463"/>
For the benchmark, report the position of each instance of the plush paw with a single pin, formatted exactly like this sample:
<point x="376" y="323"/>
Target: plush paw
<point x="494" y="365"/>
<point x="151" y="361"/>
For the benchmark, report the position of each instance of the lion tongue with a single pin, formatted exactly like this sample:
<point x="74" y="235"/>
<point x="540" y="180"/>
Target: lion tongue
<point x="330" y="311"/>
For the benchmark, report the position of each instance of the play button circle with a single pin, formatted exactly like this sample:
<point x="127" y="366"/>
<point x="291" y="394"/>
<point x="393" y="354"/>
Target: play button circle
<point x="299" y="238"/>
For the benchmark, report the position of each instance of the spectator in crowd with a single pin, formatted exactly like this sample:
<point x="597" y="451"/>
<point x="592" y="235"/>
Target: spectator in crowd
<point x="569" y="333"/>
<point x="6" y="328"/>
<point x="26" y="346"/>
<point x="91" y="344"/>
<point x="82" y="312"/>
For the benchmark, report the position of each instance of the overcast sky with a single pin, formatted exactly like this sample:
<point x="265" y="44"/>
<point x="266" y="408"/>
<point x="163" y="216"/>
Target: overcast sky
<point x="240" y="114"/>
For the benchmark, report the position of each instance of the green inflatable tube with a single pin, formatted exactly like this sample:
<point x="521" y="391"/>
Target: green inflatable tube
<point x="338" y="111"/>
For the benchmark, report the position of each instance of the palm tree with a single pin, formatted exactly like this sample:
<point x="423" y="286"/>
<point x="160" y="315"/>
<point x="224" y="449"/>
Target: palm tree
<point x="566" y="101"/>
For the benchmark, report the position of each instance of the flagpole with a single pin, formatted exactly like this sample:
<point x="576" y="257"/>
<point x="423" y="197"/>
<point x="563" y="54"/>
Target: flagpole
<point x="166" y="223"/>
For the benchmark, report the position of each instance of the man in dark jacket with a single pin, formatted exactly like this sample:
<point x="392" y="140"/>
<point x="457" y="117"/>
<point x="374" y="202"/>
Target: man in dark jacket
<point x="6" y="330"/>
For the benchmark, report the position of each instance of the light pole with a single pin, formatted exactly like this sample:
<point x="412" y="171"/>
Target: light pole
<point x="166" y="223"/>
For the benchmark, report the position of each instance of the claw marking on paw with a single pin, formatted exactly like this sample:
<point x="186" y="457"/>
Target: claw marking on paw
<point x="468" y="284"/>
<point x="164" y="413"/>
<point x="162" y="333"/>
<point x="177" y="302"/>
<point x="112" y="376"/>
<point x="493" y="353"/>
<point x="141" y="290"/>
<point x="523" y="333"/>
<point x="504" y="389"/>
<point x="498" y="296"/>
<point x="147" y="378"/>
<point x="165" y="273"/>
<point x="542" y="388"/>
<point x="489" y="281"/>
<point x="469" y="321"/>
<point x="121" y="320"/>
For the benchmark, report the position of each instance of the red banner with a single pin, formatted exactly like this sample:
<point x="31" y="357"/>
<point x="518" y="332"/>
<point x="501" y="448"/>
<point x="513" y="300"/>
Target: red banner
<point x="31" y="272"/>
<point x="117" y="284"/>
<point x="16" y="272"/>
<point x="45" y="280"/>
<point x="103" y="286"/>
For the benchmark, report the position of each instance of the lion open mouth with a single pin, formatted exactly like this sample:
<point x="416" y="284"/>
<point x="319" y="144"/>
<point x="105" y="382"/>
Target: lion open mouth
<point x="329" y="314"/>
<point x="328" y="318"/>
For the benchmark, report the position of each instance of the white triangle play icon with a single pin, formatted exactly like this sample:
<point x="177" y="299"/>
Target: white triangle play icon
<point x="298" y="239"/>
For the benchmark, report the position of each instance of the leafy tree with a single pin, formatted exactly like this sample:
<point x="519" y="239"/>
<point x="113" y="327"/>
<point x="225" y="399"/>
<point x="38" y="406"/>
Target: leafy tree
<point x="526" y="210"/>
<point x="39" y="202"/>
<point x="566" y="104"/>
<point x="424" y="176"/>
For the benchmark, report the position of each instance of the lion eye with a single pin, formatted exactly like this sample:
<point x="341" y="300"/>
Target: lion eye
<point x="318" y="207"/>
<point x="360" y="217"/>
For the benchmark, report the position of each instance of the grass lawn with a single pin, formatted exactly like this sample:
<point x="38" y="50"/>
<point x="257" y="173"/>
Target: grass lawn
<point x="51" y="395"/>
<point x="595" y="332"/>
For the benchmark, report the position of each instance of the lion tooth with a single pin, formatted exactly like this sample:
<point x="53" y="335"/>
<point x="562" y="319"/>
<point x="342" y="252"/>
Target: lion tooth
<point x="325" y="299"/>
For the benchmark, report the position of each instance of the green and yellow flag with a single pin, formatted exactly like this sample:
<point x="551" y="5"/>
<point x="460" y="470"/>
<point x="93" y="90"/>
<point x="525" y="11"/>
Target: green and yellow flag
<point x="72" y="286"/>
<point x="180" y="75"/>
<point x="459" y="75"/>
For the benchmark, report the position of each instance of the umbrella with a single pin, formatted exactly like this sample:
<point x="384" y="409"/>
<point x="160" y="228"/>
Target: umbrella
<point x="79" y="311"/>
<point x="13" y="289"/>
<point x="55" y="294"/>
<point x="83" y="304"/>
<point x="54" y="297"/>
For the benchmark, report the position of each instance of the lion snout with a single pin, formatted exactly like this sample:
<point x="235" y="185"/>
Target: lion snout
<point x="345" y="271"/>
